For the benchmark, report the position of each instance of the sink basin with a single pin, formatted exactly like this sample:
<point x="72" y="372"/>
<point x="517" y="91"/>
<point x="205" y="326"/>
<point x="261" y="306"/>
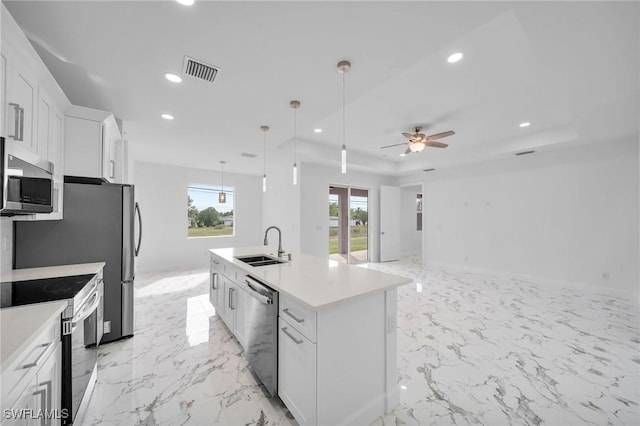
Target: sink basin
<point x="259" y="260"/>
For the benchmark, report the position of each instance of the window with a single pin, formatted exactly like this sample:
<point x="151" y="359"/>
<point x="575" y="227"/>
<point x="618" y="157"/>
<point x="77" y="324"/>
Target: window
<point x="206" y="216"/>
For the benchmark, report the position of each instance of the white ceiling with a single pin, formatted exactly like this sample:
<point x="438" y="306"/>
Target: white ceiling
<point x="569" y="68"/>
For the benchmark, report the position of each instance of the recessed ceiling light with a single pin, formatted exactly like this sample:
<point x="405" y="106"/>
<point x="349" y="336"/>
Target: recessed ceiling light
<point x="167" y="116"/>
<point x="317" y="130"/>
<point x="185" y="2"/>
<point x="455" y="57"/>
<point x="525" y="124"/>
<point x="174" y="78"/>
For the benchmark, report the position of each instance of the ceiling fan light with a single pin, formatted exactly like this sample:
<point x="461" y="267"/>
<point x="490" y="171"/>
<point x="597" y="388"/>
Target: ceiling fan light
<point x="416" y="146"/>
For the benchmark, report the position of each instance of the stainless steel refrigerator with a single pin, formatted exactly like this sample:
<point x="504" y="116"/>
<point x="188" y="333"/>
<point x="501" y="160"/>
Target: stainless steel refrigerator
<point x="99" y="225"/>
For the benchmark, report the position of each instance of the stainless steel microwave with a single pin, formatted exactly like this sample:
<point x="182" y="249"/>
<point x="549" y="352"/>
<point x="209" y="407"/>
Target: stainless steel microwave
<point x="27" y="181"/>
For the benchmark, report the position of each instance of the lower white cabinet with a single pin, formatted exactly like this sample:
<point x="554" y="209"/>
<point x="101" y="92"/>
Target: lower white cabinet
<point x="229" y="300"/>
<point x="297" y="373"/>
<point x="31" y="393"/>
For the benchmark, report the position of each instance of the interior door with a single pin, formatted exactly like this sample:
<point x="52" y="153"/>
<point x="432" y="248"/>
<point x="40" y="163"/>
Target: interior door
<point x="389" y="223"/>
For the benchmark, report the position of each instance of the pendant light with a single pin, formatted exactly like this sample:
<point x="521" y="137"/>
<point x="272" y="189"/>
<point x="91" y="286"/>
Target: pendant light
<point x="343" y="68"/>
<point x="295" y="105"/>
<point x="264" y="129"/>
<point x="222" y="197"/>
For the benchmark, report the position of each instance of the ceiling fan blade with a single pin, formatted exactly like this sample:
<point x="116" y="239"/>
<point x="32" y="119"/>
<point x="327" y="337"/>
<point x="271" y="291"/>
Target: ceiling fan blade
<point x="408" y="151"/>
<point x="436" y="144"/>
<point x="441" y="135"/>
<point x="407" y="135"/>
<point x="396" y="144"/>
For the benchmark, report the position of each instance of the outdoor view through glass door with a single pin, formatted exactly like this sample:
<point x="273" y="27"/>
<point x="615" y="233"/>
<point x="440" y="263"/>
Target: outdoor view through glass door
<point x="348" y="224"/>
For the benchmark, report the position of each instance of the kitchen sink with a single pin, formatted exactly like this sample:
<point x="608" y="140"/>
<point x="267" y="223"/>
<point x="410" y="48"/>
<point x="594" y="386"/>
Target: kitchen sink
<point x="259" y="260"/>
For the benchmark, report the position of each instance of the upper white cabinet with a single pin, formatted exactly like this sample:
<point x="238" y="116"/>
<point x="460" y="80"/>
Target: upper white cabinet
<point x="31" y="104"/>
<point x="92" y="139"/>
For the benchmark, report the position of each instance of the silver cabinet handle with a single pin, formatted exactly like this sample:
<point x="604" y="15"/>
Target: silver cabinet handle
<point x="286" y="311"/>
<point x="16" y="128"/>
<point x="294" y="338"/>
<point x="231" y="293"/>
<point x="21" y="124"/>
<point x="112" y="169"/>
<point x="214" y="280"/>
<point x="44" y="347"/>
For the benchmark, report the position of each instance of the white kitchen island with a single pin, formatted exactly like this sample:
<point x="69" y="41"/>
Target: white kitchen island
<point x="336" y="332"/>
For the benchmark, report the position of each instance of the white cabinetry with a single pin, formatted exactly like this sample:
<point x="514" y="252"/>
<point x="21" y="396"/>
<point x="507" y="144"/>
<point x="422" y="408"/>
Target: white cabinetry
<point x="91" y="136"/>
<point x="32" y="382"/>
<point x="32" y="104"/>
<point x="228" y="298"/>
<point x="333" y="363"/>
<point x="297" y="372"/>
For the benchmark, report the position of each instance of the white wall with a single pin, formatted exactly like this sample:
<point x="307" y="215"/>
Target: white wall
<point x="411" y="238"/>
<point x="281" y="204"/>
<point x="314" y="206"/>
<point x="568" y="214"/>
<point x="161" y="191"/>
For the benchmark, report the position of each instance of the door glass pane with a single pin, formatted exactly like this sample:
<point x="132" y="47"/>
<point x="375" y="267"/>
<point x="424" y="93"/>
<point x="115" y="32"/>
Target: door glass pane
<point x="359" y="225"/>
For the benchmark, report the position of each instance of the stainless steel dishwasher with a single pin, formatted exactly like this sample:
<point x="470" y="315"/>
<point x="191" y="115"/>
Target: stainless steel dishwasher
<point x="262" y="333"/>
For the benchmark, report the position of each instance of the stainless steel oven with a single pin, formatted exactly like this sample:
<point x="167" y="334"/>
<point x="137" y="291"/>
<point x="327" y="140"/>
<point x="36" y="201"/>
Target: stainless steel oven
<point x="27" y="181"/>
<point x="81" y="334"/>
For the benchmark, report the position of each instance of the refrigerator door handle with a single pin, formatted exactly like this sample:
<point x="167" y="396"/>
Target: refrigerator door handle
<point x="137" y="250"/>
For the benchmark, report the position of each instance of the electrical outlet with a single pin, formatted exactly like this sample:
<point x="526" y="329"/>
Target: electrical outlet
<point x="5" y="243"/>
<point x="106" y="327"/>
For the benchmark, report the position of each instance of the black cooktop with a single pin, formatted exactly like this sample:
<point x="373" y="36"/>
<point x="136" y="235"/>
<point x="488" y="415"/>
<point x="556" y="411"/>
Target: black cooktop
<point x="17" y="293"/>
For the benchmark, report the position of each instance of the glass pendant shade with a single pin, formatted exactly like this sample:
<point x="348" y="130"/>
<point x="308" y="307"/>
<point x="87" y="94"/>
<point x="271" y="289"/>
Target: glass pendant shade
<point x="222" y="197"/>
<point x="295" y="173"/>
<point x="416" y="146"/>
<point x="344" y="158"/>
<point x="264" y="183"/>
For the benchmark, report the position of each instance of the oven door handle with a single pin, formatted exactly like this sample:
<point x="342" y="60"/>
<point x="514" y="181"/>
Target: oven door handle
<point x="87" y="309"/>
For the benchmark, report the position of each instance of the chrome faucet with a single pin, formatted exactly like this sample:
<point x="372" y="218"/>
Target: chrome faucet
<point x="266" y="242"/>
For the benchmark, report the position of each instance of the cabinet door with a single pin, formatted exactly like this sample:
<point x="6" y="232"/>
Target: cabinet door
<point x="23" y="411"/>
<point x="83" y="150"/>
<point x="49" y="386"/>
<point x="110" y="136"/>
<point x="21" y="104"/>
<point x="240" y="305"/>
<point x="3" y="95"/>
<point x="297" y="373"/>
<point x="226" y="305"/>
<point x="44" y="127"/>
<point x="214" y="284"/>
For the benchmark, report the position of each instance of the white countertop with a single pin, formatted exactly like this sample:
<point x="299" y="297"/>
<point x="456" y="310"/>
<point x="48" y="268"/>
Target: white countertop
<point x="20" y="325"/>
<point x="313" y="281"/>
<point x="51" y="272"/>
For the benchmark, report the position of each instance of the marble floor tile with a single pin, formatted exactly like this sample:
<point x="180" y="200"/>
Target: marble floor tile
<point x="472" y="349"/>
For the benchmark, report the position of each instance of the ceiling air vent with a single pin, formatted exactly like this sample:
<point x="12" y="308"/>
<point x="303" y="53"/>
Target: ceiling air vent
<point x="247" y="155"/>
<point x="524" y="152"/>
<point x="428" y="170"/>
<point x="199" y="69"/>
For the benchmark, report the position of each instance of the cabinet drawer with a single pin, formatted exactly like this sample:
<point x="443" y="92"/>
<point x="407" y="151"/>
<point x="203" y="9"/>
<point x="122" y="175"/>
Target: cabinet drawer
<point x="299" y="316"/>
<point x="18" y="375"/>
<point x="297" y="373"/>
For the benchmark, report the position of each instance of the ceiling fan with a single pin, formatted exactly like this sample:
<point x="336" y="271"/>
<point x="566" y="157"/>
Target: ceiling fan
<point x="417" y="141"/>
